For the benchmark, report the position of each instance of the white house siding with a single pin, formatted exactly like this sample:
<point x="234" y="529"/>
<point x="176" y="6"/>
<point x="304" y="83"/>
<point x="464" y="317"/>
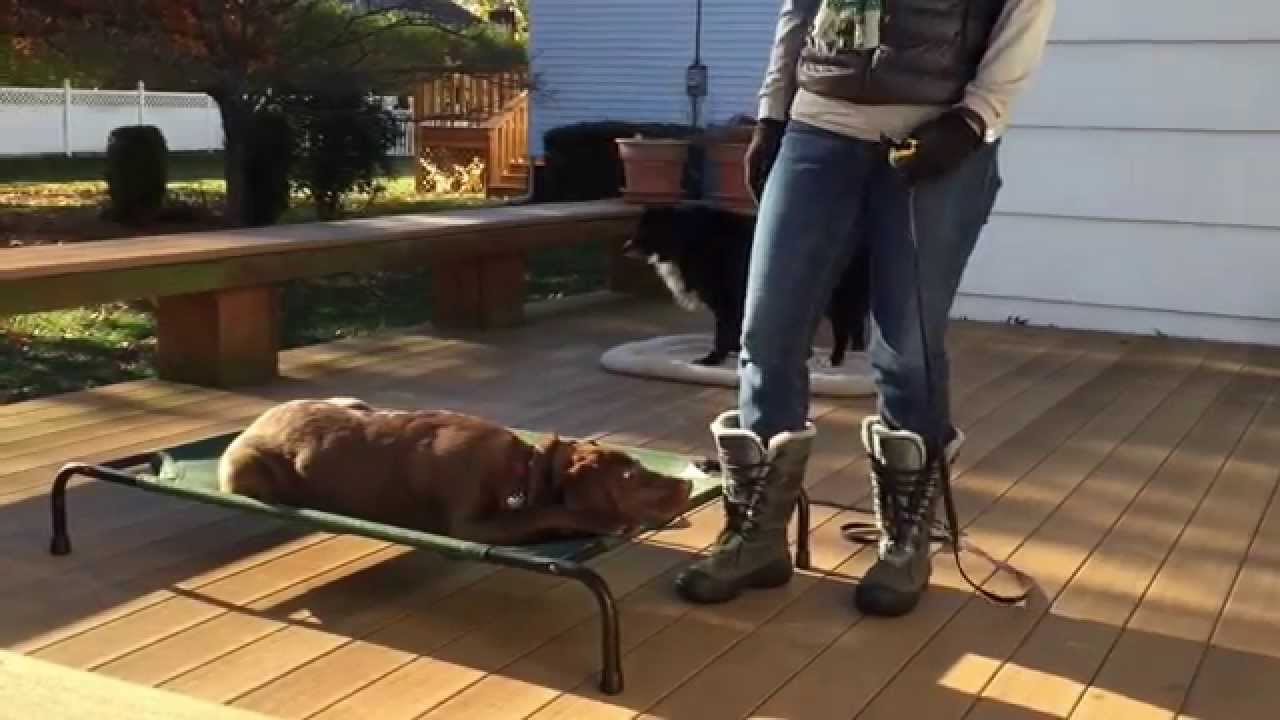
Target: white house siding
<point x="1142" y="174"/>
<point x="613" y="60"/>
<point x="736" y="37"/>
<point x="1143" y="177"/>
<point x="626" y="59"/>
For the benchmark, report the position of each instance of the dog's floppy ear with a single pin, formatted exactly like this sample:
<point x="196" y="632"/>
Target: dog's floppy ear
<point x="587" y="493"/>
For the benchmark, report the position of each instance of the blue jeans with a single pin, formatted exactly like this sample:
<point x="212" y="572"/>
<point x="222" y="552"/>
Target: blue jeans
<point x="825" y="196"/>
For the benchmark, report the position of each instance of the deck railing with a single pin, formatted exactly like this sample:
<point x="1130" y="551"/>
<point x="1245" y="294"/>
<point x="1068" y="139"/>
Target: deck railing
<point x="468" y="99"/>
<point x="508" y="138"/>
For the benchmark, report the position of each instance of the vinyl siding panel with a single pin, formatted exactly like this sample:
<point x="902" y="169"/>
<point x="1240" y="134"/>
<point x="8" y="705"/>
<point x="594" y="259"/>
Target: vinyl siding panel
<point x="736" y="40"/>
<point x="1141" y="177"/>
<point x="615" y="60"/>
<point x="1184" y="269"/>
<point x="1166" y="176"/>
<point x="1141" y="173"/>
<point x="1141" y="85"/>
<point x="1092" y="21"/>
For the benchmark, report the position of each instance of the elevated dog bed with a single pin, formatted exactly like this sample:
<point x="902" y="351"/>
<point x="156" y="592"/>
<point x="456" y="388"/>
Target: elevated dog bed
<point x="190" y="471"/>
<point x="671" y="357"/>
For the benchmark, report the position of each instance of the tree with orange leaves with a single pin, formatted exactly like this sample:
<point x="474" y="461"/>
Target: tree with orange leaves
<point x="242" y="52"/>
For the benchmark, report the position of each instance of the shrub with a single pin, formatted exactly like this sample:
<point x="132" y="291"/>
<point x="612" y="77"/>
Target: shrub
<point x="582" y="159"/>
<point x="343" y="145"/>
<point x="270" y="150"/>
<point x="137" y="172"/>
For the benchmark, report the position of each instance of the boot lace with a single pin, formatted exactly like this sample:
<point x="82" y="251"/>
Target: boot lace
<point x="901" y="500"/>
<point x="900" y="503"/>
<point x="743" y="521"/>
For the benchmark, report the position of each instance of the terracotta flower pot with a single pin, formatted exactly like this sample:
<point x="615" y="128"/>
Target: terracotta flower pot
<point x="654" y="169"/>
<point x="725" y="159"/>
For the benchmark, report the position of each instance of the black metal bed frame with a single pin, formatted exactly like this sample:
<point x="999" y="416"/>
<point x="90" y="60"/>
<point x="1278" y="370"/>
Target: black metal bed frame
<point x="611" y="680"/>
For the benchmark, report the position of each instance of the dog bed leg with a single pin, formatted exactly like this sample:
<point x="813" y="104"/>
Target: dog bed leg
<point x="611" y="639"/>
<point x="802" y="531"/>
<point x="61" y="542"/>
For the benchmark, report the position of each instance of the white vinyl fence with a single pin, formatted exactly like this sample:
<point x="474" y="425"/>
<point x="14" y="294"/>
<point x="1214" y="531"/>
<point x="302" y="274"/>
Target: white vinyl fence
<point x="70" y="121"/>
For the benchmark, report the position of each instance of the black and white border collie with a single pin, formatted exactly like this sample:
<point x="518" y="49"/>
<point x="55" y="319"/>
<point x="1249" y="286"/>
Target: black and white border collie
<point x="702" y="255"/>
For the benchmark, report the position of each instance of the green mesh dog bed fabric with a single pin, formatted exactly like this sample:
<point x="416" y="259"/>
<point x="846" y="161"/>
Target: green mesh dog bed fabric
<point x="191" y="471"/>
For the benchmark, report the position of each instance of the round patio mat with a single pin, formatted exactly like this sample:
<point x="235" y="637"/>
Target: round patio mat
<point x="671" y="357"/>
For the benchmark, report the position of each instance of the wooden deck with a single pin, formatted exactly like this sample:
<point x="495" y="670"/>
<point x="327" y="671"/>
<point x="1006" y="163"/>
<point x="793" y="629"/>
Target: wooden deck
<point x="1134" y="478"/>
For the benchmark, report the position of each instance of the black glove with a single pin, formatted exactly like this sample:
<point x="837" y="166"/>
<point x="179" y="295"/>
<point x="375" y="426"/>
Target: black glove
<point x="761" y="152"/>
<point x="942" y="144"/>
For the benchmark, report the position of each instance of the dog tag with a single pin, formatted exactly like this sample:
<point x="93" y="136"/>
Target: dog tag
<point x="516" y="500"/>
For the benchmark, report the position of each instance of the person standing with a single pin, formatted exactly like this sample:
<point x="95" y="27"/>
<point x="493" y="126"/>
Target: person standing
<point x="847" y="81"/>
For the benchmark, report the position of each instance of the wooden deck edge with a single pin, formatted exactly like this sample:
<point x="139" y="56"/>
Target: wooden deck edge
<point x="36" y="688"/>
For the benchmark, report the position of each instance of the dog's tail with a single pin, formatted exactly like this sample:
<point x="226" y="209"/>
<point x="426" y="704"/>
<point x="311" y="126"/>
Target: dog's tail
<point x="260" y="473"/>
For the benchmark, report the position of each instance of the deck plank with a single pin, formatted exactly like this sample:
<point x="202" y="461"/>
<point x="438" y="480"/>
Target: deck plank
<point x="206" y="651"/>
<point x="530" y="682"/>
<point x="779" y="651"/>
<point x="618" y="416"/>
<point x="181" y="611"/>
<point x="1236" y="678"/>
<point x="412" y="361"/>
<point x="1051" y="669"/>
<point x="962" y="657"/>
<point x="1088" y="459"/>
<point x="231" y="516"/>
<point x="1151" y="665"/>
<point x="312" y="688"/>
<point x="838" y="682"/>
<point x="33" y="688"/>
<point x="498" y="687"/>
<point x="676" y="668"/>
<point x="176" y="400"/>
<point x="161" y="424"/>
<point x="227" y="518"/>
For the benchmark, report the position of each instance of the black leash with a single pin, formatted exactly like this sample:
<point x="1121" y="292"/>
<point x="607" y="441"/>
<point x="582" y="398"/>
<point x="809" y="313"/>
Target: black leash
<point x="953" y="535"/>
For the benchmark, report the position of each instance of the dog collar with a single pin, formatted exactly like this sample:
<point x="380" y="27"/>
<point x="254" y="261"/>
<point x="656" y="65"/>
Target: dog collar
<point x="516" y="500"/>
<point x="519" y="497"/>
<point x="528" y="475"/>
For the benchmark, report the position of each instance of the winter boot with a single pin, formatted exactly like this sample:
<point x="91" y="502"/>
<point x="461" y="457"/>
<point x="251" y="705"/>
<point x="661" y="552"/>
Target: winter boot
<point x="906" y="491"/>
<point x="761" y="487"/>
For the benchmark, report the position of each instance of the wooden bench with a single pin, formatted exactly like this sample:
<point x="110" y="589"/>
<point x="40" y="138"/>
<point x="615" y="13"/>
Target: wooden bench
<point x="217" y="301"/>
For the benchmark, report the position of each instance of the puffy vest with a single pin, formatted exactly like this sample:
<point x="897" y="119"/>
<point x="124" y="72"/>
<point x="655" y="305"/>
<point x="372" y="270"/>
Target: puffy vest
<point x="928" y="51"/>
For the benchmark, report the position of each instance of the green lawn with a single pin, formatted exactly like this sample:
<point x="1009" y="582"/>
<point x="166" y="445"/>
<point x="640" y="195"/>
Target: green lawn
<point x="183" y="167"/>
<point x="70" y="186"/>
<point x="48" y="353"/>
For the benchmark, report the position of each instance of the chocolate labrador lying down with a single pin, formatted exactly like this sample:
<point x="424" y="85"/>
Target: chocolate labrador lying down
<point x="444" y="473"/>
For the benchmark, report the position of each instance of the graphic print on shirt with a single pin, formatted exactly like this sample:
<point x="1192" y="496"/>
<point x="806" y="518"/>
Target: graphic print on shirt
<point x="838" y="26"/>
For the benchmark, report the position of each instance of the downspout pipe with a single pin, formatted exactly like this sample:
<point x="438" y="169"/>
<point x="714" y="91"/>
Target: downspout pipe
<point x="694" y="100"/>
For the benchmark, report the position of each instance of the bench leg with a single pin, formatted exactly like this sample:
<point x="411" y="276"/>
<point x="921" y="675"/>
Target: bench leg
<point x="478" y="293"/>
<point x="223" y="338"/>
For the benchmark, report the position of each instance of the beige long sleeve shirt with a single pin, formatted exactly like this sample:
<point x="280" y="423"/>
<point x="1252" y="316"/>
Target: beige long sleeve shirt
<point x="1016" y="50"/>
